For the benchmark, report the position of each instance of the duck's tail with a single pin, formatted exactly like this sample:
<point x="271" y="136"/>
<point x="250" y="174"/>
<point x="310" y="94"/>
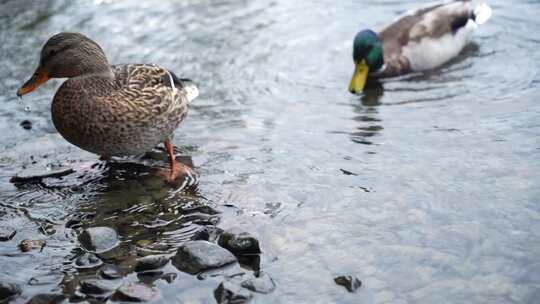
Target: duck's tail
<point x="187" y="85"/>
<point x="481" y="13"/>
<point x="191" y="89"/>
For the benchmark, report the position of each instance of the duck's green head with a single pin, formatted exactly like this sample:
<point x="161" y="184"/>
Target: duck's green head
<point x="368" y="56"/>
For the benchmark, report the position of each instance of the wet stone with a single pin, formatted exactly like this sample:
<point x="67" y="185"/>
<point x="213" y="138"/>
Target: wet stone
<point x="208" y="233"/>
<point x="229" y="293"/>
<point x="88" y="260"/>
<point x="239" y="242"/>
<point x="196" y="256"/>
<point x="227" y="271"/>
<point x="36" y="173"/>
<point x="46" y="298"/>
<point x="7" y="234"/>
<point x="110" y="272"/>
<point x="135" y="292"/>
<point x="151" y="262"/>
<point x="94" y="286"/>
<point x="250" y="261"/>
<point x="27" y="245"/>
<point x="262" y="283"/>
<point x="349" y="282"/>
<point x="8" y="291"/>
<point x="47" y="229"/>
<point x="98" y="239"/>
<point x="149" y="277"/>
<point x="26" y="124"/>
<point x="169" y="277"/>
<point x="198" y="209"/>
<point x="203" y="219"/>
<point x="74" y="223"/>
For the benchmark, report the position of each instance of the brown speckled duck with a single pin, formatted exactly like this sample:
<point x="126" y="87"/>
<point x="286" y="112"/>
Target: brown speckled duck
<point x="111" y="110"/>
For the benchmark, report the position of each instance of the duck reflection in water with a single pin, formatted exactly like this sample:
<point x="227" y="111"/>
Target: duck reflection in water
<point x="367" y="114"/>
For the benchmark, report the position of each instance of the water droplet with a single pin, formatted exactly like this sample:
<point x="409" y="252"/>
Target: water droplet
<point x="27" y="109"/>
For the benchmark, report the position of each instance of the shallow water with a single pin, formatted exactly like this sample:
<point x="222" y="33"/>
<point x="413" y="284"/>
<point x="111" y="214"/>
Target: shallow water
<point x="426" y="188"/>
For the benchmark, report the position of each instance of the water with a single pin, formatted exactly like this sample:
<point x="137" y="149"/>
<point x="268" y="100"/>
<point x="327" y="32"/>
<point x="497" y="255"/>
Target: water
<point x="425" y="188"/>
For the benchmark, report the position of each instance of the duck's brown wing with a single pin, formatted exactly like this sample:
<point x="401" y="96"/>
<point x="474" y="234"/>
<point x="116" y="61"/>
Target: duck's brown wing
<point x="149" y="90"/>
<point x="429" y="22"/>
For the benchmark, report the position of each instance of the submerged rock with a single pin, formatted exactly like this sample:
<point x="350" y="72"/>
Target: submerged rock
<point x="262" y="283"/>
<point x="149" y="277"/>
<point x="208" y="233"/>
<point x="196" y="256"/>
<point x="110" y="272"/>
<point x="27" y="245"/>
<point x="7" y="234"/>
<point x="8" y="291"/>
<point x="26" y="124"/>
<point x="239" y="242"/>
<point x="169" y="277"/>
<point x="135" y="292"/>
<point x="36" y="173"/>
<point x="47" y="229"/>
<point x="229" y="293"/>
<point x="250" y="261"/>
<point x="88" y="260"/>
<point x="97" y="287"/>
<point x="98" y="239"/>
<point x="349" y="282"/>
<point x="151" y="262"/>
<point x="46" y="298"/>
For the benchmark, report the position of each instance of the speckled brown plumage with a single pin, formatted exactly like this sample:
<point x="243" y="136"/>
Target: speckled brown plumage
<point x="111" y="110"/>
<point x="128" y="114"/>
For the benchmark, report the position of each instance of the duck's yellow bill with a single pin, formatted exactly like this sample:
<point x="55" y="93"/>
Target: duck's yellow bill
<point x="359" y="78"/>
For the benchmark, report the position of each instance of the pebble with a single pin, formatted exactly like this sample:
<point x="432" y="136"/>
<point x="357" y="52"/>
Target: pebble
<point x="37" y="173"/>
<point x="26" y="124"/>
<point x="349" y="282"/>
<point x="169" y="277"/>
<point x="7" y="234"/>
<point x="46" y="298"/>
<point x="8" y="291"/>
<point x="47" y="229"/>
<point x="135" y="292"/>
<point x="208" y="233"/>
<point x="239" y="242"/>
<point x="229" y="293"/>
<point x="110" y="272"/>
<point x="88" y="260"/>
<point x="151" y="262"/>
<point x="196" y="256"/>
<point x="98" y="239"/>
<point x="27" y="245"/>
<point x="262" y="283"/>
<point x="94" y="286"/>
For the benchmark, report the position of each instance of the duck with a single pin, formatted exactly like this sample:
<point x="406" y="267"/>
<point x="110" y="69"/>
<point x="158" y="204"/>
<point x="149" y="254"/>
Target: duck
<point x="112" y="110"/>
<point x="418" y="41"/>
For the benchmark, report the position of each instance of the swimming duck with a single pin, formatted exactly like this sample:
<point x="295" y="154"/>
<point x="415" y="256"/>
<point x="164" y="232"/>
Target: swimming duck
<point x="111" y="110"/>
<point x="420" y="40"/>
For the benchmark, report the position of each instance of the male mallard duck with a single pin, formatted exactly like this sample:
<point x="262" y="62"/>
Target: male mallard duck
<point x="111" y="110"/>
<point x="421" y="40"/>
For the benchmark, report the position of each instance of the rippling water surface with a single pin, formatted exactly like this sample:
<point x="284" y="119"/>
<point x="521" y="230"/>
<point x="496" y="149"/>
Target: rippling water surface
<point x="426" y="188"/>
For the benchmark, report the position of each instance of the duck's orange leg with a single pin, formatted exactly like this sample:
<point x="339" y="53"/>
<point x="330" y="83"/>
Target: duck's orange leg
<point x="176" y="168"/>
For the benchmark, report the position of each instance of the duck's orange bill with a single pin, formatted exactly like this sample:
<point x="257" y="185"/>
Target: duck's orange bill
<point x="39" y="77"/>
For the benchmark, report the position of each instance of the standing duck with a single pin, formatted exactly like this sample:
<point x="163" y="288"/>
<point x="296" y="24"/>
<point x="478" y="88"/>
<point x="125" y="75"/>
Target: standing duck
<point x="420" y="40"/>
<point x="111" y="110"/>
